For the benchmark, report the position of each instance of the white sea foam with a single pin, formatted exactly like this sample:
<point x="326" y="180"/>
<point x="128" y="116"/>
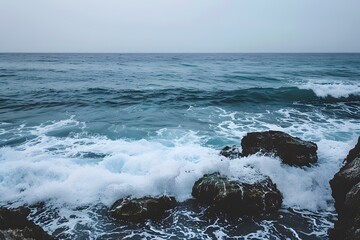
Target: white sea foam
<point x="333" y="88"/>
<point x="58" y="169"/>
<point x="32" y="173"/>
<point x="305" y="188"/>
<point x="83" y="170"/>
<point x="307" y="125"/>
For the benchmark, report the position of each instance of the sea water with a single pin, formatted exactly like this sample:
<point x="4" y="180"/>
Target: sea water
<point x="79" y="131"/>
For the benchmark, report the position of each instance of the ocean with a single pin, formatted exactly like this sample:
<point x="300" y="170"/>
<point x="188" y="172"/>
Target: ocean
<point x="79" y="131"/>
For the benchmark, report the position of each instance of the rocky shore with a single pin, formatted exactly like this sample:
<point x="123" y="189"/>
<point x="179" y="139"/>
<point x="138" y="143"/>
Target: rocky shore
<point x="229" y="195"/>
<point x="234" y="197"/>
<point x="222" y="194"/>
<point x="346" y="191"/>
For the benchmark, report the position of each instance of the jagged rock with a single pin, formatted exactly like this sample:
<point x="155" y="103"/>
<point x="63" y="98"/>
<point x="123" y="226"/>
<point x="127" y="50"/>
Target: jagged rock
<point x="291" y="150"/>
<point x="141" y="209"/>
<point x="353" y="153"/>
<point x="231" y="152"/>
<point x="344" y="180"/>
<point x="346" y="191"/>
<point x="14" y="225"/>
<point x="236" y="197"/>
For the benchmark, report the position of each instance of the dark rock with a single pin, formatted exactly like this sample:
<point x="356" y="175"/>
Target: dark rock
<point x="15" y="225"/>
<point x="346" y="191"/>
<point x="236" y="197"/>
<point x="353" y="153"/>
<point x="141" y="209"/>
<point x="344" y="180"/>
<point x="231" y="152"/>
<point x="291" y="150"/>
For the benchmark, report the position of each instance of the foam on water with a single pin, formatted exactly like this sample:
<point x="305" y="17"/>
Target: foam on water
<point x="82" y="170"/>
<point x="158" y="124"/>
<point x="336" y="89"/>
<point x="304" y="188"/>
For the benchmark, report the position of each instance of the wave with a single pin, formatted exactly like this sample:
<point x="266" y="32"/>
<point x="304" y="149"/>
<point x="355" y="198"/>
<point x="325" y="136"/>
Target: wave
<point x="333" y="89"/>
<point x="307" y="92"/>
<point x="81" y="169"/>
<point x="182" y="97"/>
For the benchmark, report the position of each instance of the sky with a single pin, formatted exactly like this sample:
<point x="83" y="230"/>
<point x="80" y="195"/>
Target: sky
<point x="143" y="26"/>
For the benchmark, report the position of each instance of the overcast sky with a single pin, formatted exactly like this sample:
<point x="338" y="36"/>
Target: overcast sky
<point x="179" y="25"/>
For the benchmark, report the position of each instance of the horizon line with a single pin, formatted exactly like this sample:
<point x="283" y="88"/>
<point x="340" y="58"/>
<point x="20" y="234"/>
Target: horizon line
<point x="346" y="52"/>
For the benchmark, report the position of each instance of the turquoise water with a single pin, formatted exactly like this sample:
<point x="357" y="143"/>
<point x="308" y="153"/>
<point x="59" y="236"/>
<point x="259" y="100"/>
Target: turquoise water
<point x="78" y="131"/>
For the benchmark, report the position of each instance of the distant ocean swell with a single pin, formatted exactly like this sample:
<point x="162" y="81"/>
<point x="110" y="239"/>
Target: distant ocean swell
<point x="310" y="93"/>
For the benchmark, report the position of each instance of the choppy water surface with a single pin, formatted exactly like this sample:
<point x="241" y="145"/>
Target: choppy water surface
<point x="79" y="131"/>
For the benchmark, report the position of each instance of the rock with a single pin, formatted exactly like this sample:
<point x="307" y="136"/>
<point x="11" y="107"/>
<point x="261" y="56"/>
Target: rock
<point x="344" y="180"/>
<point x="353" y="153"/>
<point x="291" y="150"/>
<point x="346" y="191"/>
<point x="236" y="197"/>
<point x="231" y="152"/>
<point x="141" y="209"/>
<point x="14" y="225"/>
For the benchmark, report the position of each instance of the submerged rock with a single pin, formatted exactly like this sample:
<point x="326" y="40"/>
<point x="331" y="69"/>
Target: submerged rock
<point x="346" y="191"/>
<point x="231" y="152"/>
<point x="237" y="197"/>
<point x="141" y="209"/>
<point x="291" y="150"/>
<point x="15" y="225"/>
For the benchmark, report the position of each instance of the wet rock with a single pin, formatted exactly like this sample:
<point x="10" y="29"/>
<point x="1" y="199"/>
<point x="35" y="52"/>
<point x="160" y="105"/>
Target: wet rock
<point x="344" y="180"/>
<point x="14" y="225"/>
<point x="141" y="209"/>
<point x="346" y="191"/>
<point x="291" y="150"/>
<point x="237" y="197"/>
<point x="231" y="152"/>
<point x="353" y="153"/>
